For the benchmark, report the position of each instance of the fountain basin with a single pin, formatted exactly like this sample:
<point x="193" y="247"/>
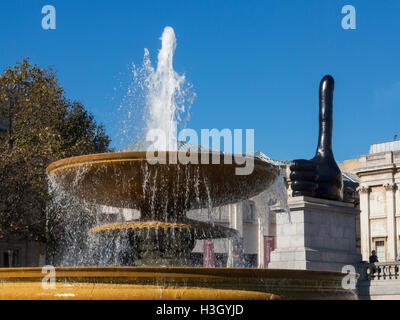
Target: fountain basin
<point x="155" y="283"/>
<point x="163" y="191"/>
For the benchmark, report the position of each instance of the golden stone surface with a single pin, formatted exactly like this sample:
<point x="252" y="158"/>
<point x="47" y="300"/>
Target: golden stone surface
<point x="157" y="283"/>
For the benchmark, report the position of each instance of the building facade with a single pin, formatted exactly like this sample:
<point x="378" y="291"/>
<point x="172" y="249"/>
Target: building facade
<point x="379" y="178"/>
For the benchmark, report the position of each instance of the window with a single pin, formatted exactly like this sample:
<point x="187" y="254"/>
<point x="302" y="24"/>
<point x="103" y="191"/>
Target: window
<point x="222" y="215"/>
<point x="249" y="211"/>
<point x="10" y="258"/>
<point x="380" y="248"/>
<point x="6" y="260"/>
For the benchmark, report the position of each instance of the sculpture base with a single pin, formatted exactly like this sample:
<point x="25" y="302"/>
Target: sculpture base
<point x="136" y="283"/>
<point x="319" y="235"/>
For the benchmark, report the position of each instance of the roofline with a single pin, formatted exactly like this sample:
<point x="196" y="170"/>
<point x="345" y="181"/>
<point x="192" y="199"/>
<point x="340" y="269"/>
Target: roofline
<point x="384" y="142"/>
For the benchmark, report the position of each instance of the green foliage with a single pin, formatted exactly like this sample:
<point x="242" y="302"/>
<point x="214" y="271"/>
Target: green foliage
<point x="39" y="125"/>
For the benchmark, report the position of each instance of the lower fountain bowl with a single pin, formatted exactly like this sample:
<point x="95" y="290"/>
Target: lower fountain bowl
<point x="160" y="283"/>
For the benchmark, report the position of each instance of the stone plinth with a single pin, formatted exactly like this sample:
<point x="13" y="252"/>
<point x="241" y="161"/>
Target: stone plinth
<point x="318" y="235"/>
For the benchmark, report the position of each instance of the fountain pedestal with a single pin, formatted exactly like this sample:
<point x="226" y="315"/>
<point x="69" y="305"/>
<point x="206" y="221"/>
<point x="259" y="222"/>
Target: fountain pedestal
<point x="158" y="243"/>
<point x="320" y="235"/>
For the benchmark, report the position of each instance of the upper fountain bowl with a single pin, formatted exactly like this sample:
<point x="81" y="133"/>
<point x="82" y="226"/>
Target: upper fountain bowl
<point x="128" y="179"/>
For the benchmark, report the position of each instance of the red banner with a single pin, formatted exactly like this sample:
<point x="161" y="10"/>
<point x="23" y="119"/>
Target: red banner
<point x="269" y="246"/>
<point x="208" y="255"/>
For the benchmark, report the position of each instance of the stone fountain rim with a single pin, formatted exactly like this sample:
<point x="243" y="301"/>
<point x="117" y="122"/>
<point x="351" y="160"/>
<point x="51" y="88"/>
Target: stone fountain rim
<point x="172" y="283"/>
<point x="142" y="155"/>
<point x="123" y="272"/>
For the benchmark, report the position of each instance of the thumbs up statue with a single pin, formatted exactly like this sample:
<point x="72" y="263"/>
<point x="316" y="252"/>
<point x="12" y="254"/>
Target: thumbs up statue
<point x="320" y="177"/>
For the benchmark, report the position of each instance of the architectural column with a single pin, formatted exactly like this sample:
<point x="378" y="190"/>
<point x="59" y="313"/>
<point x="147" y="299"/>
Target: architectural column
<point x="391" y="221"/>
<point x="364" y="222"/>
<point x="235" y="222"/>
<point x="397" y="216"/>
<point x="236" y="217"/>
<point x="260" y="251"/>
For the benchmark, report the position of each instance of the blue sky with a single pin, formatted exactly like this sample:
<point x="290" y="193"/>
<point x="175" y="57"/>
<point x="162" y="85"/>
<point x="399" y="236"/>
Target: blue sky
<point x="253" y="64"/>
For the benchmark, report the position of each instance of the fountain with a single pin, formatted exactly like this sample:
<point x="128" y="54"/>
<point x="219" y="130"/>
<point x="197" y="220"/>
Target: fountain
<point x="162" y="239"/>
<point x="163" y="193"/>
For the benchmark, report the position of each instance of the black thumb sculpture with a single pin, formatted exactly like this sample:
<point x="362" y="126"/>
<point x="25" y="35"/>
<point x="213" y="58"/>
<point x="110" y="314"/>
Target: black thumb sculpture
<point x="320" y="177"/>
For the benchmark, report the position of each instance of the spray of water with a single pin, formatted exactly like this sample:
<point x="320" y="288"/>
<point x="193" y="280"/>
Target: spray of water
<point x="157" y="98"/>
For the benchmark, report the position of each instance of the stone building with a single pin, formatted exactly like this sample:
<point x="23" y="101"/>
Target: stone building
<point x="379" y="178"/>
